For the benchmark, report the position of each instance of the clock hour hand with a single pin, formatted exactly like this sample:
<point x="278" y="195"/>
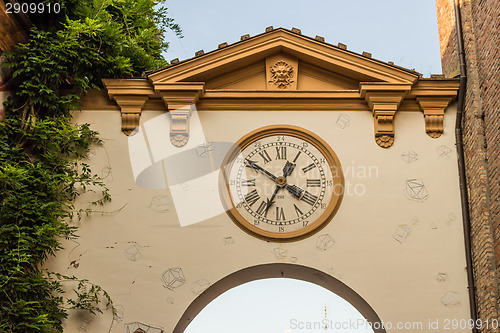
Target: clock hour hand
<point x="295" y="191"/>
<point x="255" y="166"/>
<point x="288" y="169"/>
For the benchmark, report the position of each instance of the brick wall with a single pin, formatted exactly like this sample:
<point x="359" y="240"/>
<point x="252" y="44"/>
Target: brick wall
<point x="481" y="127"/>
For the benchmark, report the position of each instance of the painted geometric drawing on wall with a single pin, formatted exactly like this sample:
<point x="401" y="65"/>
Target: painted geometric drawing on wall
<point x="159" y="203"/>
<point x="85" y="325"/>
<point x="451" y="218"/>
<point x="441" y="277"/>
<point x="200" y="286"/>
<point x="415" y="220"/>
<point x="451" y="299"/>
<point x="228" y="240"/>
<point x="294" y="259"/>
<point x="324" y="242"/>
<point x="409" y="156"/>
<point x="280" y="253"/>
<point x="133" y="253"/>
<point x="138" y="327"/>
<point x="443" y="151"/>
<point x="343" y="121"/>
<point x="118" y="313"/>
<point x="401" y="233"/>
<point x="203" y="149"/>
<point x="173" y="278"/>
<point x="415" y="190"/>
<point x="107" y="174"/>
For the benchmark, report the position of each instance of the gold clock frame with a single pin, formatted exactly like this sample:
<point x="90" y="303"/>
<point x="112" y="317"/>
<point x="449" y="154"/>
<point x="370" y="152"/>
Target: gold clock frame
<point x="300" y="133"/>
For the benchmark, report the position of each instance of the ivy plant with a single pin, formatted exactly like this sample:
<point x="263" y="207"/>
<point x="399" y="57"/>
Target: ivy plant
<point x="42" y="153"/>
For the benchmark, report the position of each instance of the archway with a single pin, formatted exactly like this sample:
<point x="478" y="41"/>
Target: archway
<point x="291" y="271"/>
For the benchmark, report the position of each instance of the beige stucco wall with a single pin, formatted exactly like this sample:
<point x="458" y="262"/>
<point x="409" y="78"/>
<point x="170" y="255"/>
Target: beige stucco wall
<point x="388" y="248"/>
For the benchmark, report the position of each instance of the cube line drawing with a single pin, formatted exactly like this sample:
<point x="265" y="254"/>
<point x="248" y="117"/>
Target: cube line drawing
<point x="203" y="149"/>
<point x="415" y="190"/>
<point x="228" y="240"/>
<point x="343" y="121"/>
<point x="280" y="253"/>
<point x="133" y="253"/>
<point x="451" y="299"/>
<point x="159" y="203"/>
<point x="324" y="242"/>
<point x="199" y="286"/>
<point x="441" y="277"/>
<point x="140" y="327"/>
<point x="409" y="156"/>
<point x="173" y="278"/>
<point x="443" y="151"/>
<point x="401" y="233"/>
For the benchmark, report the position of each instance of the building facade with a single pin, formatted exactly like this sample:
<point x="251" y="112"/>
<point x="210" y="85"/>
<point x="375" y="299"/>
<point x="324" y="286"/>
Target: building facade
<point x="194" y="215"/>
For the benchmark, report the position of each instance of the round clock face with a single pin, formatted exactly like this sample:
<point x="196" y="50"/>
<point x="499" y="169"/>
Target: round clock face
<point x="281" y="183"/>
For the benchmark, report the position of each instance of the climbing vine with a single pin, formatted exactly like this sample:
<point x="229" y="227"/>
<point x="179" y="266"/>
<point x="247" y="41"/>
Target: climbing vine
<point x="42" y="153"/>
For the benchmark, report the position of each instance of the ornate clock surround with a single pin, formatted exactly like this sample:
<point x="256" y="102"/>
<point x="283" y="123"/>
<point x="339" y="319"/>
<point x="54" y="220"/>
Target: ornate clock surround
<point x="332" y="162"/>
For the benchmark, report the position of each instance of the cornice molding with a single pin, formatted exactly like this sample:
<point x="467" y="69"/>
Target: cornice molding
<point x="388" y="90"/>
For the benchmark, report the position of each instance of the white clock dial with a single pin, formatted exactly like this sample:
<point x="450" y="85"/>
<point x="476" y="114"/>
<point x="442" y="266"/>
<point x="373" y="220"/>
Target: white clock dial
<point x="282" y="183"/>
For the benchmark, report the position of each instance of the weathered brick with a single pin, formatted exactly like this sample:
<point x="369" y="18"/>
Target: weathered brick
<point x="481" y="128"/>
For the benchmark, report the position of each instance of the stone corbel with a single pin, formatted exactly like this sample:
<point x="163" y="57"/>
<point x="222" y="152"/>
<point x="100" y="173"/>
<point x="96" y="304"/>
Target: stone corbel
<point x="384" y="100"/>
<point x="180" y="99"/>
<point x="433" y="109"/>
<point x="131" y="96"/>
<point x="131" y="108"/>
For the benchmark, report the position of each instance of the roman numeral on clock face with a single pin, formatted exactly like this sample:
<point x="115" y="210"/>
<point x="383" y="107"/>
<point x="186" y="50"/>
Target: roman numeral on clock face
<point x="309" y="167"/>
<point x="313" y="182"/>
<point x="252" y="197"/>
<point x="265" y="156"/>
<point x="309" y="198"/>
<point x="281" y="153"/>
<point x="262" y="209"/>
<point x="280" y="214"/>
<point x="298" y="211"/>
<point x="248" y="182"/>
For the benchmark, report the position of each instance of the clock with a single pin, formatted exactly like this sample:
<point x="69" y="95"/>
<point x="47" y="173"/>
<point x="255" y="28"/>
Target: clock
<point x="281" y="183"/>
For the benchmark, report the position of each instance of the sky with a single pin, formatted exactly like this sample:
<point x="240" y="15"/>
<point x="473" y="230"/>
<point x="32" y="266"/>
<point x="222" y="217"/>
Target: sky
<point x="402" y="31"/>
<point x="244" y="310"/>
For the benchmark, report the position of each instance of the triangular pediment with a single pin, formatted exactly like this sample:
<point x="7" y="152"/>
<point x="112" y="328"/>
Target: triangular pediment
<point x="283" y="70"/>
<point x="320" y="66"/>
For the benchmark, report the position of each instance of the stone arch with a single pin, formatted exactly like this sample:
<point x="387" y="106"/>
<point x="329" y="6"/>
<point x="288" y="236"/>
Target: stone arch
<point x="275" y="270"/>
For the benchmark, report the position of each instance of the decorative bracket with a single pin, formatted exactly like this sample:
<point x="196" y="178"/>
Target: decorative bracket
<point x="179" y="99"/>
<point x="131" y="108"/>
<point x="131" y="96"/>
<point x="384" y="100"/>
<point x="433" y="109"/>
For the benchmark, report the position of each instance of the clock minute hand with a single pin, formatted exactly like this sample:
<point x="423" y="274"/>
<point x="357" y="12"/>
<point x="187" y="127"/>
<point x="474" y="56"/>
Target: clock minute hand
<point x="271" y="201"/>
<point x="255" y="166"/>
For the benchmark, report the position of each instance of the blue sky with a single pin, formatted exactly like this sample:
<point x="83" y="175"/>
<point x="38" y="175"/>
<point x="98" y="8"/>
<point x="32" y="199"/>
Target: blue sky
<point x="402" y="31"/>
